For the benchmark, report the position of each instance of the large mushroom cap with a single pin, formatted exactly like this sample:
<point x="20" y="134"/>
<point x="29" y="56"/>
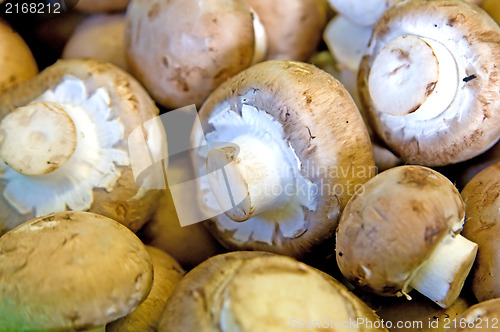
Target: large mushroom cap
<point x="105" y="105"/>
<point x="482" y="225"/>
<point x="483" y="316"/>
<point x="182" y="50"/>
<point x="17" y="63"/>
<point x="297" y="112"/>
<point x="255" y="291"/>
<point x="293" y="27"/>
<point x="70" y="270"/>
<point x="394" y="225"/>
<point x="430" y="80"/>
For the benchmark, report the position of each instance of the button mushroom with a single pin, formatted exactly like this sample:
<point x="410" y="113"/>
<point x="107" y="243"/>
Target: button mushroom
<point x="293" y="27"/>
<point x="401" y="232"/>
<point x="181" y="63"/>
<point x="293" y="147"/>
<point x="166" y="276"/>
<point x="484" y="316"/>
<point x="99" y="37"/>
<point x="446" y="113"/>
<point x="70" y="270"/>
<point x="64" y="144"/>
<point x="255" y="291"/>
<point x="482" y="225"/>
<point x="16" y="60"/>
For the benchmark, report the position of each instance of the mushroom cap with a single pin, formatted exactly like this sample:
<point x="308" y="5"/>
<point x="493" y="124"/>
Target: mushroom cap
<point x="70" y="270"/>
<point x="181" y="63"/>
<point x="480" y="317"/>
<point x="167" y="274"/>
<point x="129" y="102"/>
<point x="392" y="225"/>
<point x="252" y="291"/>
<point x="92" y="6"/>
<point x="293" y="27"/>
<point x="99" y="37"/>
<point x="17" y="63"/>
<point x="323" y="127"/>
<point x="482" y="225"/>
<point x="470" y="124"/>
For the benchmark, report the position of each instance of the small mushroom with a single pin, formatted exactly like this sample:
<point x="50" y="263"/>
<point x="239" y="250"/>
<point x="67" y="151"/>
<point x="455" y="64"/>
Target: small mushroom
<point x="482" y="225"/>
<point x="92" y="6"/>
<point x="293" y="27"/>
<point x="181" y="50"/>
<point x="166" y="276"/>
<point x="71" y="271"/>
<point x="293" y="148"/>
<point x="401" y="232"/>
<point x="256" y="291"/>
<point x="99" y="37"/>
<point x="429" y="80"/>
<point x="64" y="144"/>
<point x="17" y="63"/>
<point x="484" y="316"/>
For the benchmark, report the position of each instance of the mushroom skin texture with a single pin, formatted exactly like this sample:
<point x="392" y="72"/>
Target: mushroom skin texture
<point x="257" y="291"/>
<point x="181" y="63"/>
<point x="401" y="232"/>
<point x="293" y="27"/>
<point x="105" y="105"/>
<point x="304" y="151"/>
<point x="17" y="63"/>
<point x="77" y="270"/>
<point x="92" y="6"/>
<point x="99" y="37"/>
<point x="446" y="113"/>
<point x="482" y="316"/>
<point x="482" y="225"/>
<point x="166" y="276"/>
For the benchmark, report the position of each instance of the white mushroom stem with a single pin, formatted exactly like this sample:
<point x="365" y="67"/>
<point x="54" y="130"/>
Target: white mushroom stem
<point x="260" y="35"/>
<point x="442" y="277"/>
<point x="250" y="181"/>
<point x="413" y="74"/>
<point x="37" y="139"/>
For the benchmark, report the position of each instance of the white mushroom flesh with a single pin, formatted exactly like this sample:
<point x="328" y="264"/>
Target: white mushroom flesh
<point x="260" y="35"/>
<point x="268" y="167"/>
<point x="93" y="163"/>
<point x="442" y="276"/>
<point x="365" y="12"/>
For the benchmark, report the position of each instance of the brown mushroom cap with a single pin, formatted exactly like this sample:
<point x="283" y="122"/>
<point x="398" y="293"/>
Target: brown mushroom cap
<point x="324" y="128"/>
<point x="293" y="27"/>
<point x="470" y="124"/>
<point x="17" y="63"/>
<point x="92" y="6"/>
<point x="181" y="63"/>
<point x="484" y="316"/>
<point x="251" y="290"/>
<point x="129" y="103"/>
<point x="167" y="274"/>
<point x="482" y="225"/>
<point x="99" y="37"/>
<point x="70" y="270"/>
<point x="393" y="224"/>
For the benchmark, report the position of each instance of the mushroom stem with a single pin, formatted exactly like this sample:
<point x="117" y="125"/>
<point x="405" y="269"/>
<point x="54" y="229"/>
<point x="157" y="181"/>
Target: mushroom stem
<point x="37" y="139"/>
<point x="253" y="180"/>
<point x="441" y="278"/>
<point x="413" y="74"/>
<point x="260" y="35"/>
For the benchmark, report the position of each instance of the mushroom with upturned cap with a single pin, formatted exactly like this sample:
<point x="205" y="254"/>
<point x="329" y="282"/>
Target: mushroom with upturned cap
<point x="17" y="63"/>
<point x="294" y="149"/>
<point x="181" y="50"/>
<point x="64" y="144"/>
<point x="257" y="291"/>
<point x="71" y="270"/>
<point x="482" y="225"/>
<point x="482" y="316"/>
<point x="429" y="80"/>
<point x="401" y="232"/>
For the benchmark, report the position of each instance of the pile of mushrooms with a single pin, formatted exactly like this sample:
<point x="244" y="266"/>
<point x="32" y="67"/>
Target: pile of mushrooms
<point x="284" y="149"/>
<point x="64" y="145"/>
